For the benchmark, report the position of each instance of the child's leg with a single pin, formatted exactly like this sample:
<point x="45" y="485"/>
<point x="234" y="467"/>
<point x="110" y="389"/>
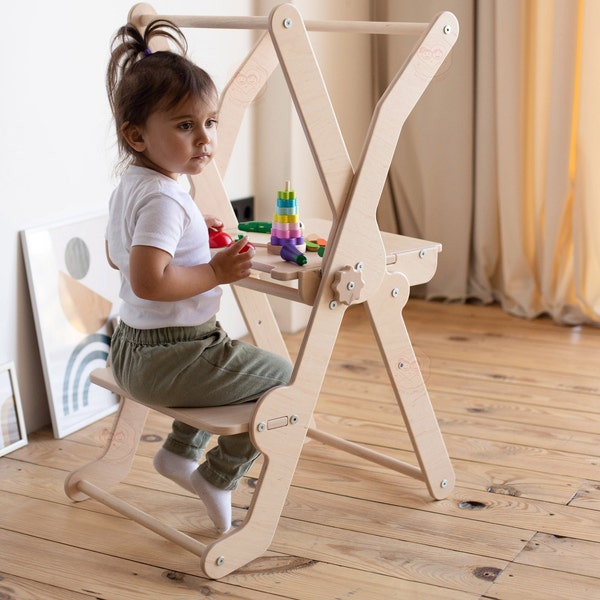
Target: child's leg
<point x="219" y="475"/>
<point x="179" y="456"/>
<point x="239" y="372"/>
<point x="208" y="370"/>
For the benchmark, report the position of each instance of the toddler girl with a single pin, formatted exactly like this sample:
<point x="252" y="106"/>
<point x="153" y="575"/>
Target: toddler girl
<point x="168" y="348"/>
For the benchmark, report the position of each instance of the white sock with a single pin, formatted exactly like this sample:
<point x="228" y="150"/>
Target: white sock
<point x="217" y="501"/>
<point x="176" y="468"/>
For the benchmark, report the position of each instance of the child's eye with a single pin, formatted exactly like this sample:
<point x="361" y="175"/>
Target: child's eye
<point x="186" y="126"/>
<point x="211" y="123"/>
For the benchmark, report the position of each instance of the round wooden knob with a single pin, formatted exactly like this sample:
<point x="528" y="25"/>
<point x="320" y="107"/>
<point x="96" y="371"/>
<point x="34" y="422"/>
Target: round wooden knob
<point x="347" y="285"/>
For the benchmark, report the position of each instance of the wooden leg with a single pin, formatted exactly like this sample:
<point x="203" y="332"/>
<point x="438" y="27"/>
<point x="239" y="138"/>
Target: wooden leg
<point x="385" y="312"/>
<point x="278" y="429"/>
<point x="311" y="98"/>
<point x="115" y="463"/>
<point x="279" y="436"/>
<point x="260" y="320"/>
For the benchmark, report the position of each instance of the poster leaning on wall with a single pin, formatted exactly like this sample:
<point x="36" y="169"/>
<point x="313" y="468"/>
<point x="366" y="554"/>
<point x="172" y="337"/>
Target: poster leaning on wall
<point x="13" y="434"/>
<point x="74" y="294"/>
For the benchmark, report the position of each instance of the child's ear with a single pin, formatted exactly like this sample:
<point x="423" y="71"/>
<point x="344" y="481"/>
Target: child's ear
<point x="133" y="136"/>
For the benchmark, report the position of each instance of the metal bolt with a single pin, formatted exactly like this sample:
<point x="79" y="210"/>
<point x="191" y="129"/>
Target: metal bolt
<point x="220" y="561"/>
<point x="287" y="23"/>
<point x="395" y="292"/>
<point x="261" y="426"/>
<point x="401" y="365"/>
<point x="350" y="285"/>
<point x="447" y="29"/>
<point x="422" y="254"/>
<point x="333" y="305"/>
<point x="359" y="266"/>
<point x="294" y="419"/>
<point x="444" y="483"/>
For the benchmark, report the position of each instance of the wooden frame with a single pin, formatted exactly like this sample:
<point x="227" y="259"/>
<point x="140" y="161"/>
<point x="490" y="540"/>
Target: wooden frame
<point x="74" y="293"/>
<point x="361" y="265"/>
<point x="13" y="434"/>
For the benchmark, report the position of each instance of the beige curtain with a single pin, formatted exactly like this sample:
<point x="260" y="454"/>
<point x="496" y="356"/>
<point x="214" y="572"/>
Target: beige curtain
<point x="499" y="161"/>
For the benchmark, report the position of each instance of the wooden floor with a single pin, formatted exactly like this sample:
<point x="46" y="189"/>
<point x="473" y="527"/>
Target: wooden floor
<point x="519" y="406"/>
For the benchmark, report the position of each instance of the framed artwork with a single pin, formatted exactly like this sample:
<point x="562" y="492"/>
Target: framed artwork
<point x="12" y="426"/>
<point x="74" y="294"/>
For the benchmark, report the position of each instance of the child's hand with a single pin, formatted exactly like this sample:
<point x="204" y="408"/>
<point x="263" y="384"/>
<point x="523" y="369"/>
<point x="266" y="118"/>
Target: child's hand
<point x="231" y="264"/>
<point x="213" y="222"/>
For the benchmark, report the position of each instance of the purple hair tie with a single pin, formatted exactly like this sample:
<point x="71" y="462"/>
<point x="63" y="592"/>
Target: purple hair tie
<point x="147" y="52"/>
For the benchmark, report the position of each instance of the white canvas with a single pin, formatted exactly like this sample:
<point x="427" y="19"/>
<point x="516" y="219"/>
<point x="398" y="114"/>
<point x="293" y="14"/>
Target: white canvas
<point x="74" y="294"/>
<point x="13" y="434"/>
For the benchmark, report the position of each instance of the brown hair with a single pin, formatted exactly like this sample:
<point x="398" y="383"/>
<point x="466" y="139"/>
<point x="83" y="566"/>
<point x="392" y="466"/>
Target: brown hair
<point x="140" y="82"/>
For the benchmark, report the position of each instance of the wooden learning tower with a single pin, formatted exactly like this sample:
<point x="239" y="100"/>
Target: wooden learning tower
<point x="361" y="265"/>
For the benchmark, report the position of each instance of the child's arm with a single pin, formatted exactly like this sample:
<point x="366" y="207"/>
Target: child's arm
<point x="110" y="262"/>
<point x="154" y="277"/>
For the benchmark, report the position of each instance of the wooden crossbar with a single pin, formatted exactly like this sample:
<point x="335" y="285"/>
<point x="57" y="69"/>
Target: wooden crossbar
<point x="262" y="23"/>
<point x="363" y="452"/>
<point x="141" y="517"/>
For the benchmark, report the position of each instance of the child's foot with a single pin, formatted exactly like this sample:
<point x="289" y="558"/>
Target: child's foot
<point x="217" y="501"/>
<point x="176" y="468"/>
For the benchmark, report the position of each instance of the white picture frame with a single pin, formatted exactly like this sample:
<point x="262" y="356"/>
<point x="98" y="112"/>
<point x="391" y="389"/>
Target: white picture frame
<point x="13" y="434"/>
<point x="74" y="295"/>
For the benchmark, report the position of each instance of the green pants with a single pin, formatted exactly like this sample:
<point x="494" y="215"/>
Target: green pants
<point x="196" y="367"/>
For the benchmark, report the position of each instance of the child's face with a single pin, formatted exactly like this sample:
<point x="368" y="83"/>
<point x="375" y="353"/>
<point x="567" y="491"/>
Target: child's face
<point x="181" y="140"/>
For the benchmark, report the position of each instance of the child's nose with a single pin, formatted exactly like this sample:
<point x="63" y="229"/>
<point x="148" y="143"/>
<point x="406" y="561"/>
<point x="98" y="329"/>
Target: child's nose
<point x="203" y="137"/>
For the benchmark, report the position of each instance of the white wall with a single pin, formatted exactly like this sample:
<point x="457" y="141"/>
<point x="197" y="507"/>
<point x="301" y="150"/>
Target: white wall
<point x="56" y="142"/>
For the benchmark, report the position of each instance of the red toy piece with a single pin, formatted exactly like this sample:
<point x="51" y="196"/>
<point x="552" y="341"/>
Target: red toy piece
<point x="247" y="246"/>
<point x="217" y="238"/>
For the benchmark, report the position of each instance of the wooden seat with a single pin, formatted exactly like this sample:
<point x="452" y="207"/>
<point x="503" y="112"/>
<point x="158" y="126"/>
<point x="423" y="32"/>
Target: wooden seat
<point x="220" y="420"/>
<point x="361" y="265"/>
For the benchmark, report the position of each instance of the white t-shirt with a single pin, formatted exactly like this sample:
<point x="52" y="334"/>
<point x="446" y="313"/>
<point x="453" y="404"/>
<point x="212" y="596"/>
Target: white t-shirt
<point x="151" y="209"/>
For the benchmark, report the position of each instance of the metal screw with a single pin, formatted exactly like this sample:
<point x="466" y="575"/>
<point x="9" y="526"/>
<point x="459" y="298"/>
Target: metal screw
<point x="287" y="23"/>
<point x="395" y="292"/>
<point x="447" y="29"/>
<point x="350" y="285"/>
<point x="294" y="419"/>
<point x="422" y="254"/>
<point x="401" y="365"/>
<point x="261" y="426"/>
<point x="333" y="305"/>
<point x="444" y="483"/>
<point x="220" y="561"/>
<point x="359" y="266"/>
